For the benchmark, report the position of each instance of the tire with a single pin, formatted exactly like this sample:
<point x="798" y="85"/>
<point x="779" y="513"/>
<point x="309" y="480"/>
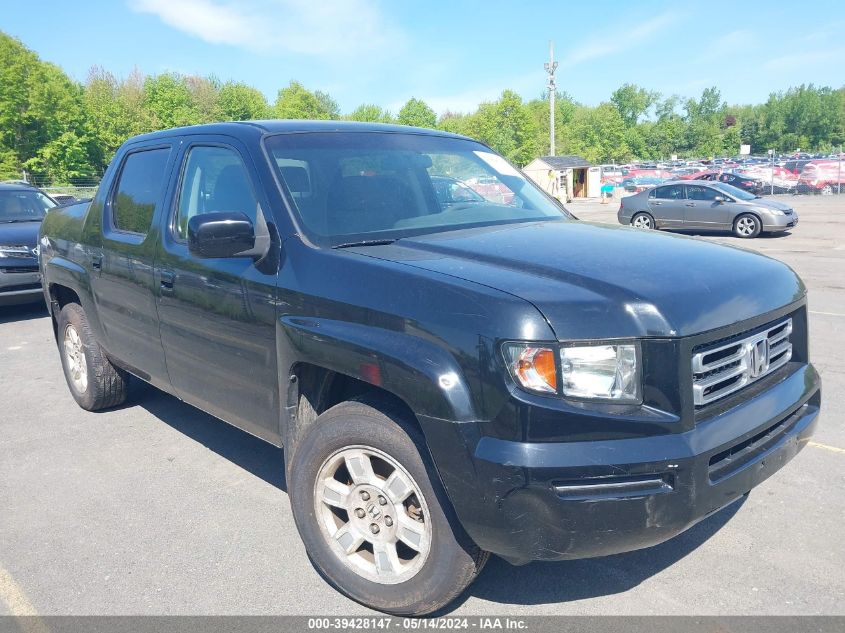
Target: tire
<point x="747" y="226"/>
<point x="827" y="190"/>
<point x="643" y="220"/>
<point x="410" y="581"/>
<point x="93" y="381"/>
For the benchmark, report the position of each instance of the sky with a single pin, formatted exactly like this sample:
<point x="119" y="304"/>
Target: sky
<point x="453" y="54"/>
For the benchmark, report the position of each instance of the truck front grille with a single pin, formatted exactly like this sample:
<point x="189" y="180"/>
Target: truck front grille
<point x="720" y="371"/>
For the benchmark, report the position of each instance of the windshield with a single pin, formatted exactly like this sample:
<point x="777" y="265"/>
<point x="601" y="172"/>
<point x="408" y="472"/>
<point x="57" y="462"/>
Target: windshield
<point x="23" y="206"/>
<point x="352" y="187"/>
<point x="736" y="192"/>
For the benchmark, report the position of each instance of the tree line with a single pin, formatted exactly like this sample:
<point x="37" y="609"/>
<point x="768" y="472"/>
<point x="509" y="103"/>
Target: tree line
<point x="60" y="130"/>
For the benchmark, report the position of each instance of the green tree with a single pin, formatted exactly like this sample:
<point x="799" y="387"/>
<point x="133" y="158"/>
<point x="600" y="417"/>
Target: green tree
<point x="506" y="126"/>
<point x="538" y="109"/>
<point x="240" y="102"/>
<point x="204" y="92"/>
<point x="417" y="113"/>
<point x="296" y="102"/>
<point x="327" y="104"/>
<point x="633" y="102"/>
<point x="597" y="134"/>
<point x="169" y="102"/>
<point x="455" y="122"/>
<point x="369" y="112"/>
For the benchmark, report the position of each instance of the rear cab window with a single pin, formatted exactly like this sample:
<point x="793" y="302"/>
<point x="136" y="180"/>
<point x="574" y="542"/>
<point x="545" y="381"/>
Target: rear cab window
<point x="138" y="191"/>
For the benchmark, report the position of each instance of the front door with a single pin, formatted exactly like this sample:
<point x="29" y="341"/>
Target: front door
<point x="704" y="212"/>
<point x="218" y="314"/>
<point x="122" y="279"/>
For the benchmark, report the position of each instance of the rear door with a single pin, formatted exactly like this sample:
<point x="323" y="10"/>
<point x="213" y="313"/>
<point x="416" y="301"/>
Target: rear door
<point x="218" y="314"/>
<point x="704" y="212"/>
<point x="667" y="205"/>
<point x="122" y="277"/>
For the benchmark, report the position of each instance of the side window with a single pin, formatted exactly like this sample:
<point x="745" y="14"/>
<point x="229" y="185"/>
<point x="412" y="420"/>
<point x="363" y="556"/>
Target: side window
<point x="215" y="179"/>
<point x="670" y="192"/>
<point x="142" y="180"/>
<point x="697" y="192"/>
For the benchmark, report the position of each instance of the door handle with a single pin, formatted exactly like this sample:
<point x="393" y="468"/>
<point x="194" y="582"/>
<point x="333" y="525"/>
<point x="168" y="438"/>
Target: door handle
<point x="657" y="204"/>
<point x="97" y="262"/>
<point x="167" y="278"/>
<point x="690" y="204"/>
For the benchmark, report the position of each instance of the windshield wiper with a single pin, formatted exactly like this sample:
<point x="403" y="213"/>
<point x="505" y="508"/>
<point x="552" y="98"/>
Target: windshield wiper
<point x="364" y="243"/>
<point x="20" y="220"/>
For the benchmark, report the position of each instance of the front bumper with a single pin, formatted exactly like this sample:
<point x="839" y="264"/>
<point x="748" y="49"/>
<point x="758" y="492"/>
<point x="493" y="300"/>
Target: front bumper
<point x="778" y="223"/>
<point x="20" y="284"/>
<point x="555" y="501"/>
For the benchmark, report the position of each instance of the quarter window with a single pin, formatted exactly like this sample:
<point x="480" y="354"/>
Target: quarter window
<point x="215" y="179"/>
<point x="139" y="189"/>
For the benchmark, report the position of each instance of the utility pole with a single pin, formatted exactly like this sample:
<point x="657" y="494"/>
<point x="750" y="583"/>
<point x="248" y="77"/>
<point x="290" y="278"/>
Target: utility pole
<point x="550" y="67"/>
<point x="839" y="173"/>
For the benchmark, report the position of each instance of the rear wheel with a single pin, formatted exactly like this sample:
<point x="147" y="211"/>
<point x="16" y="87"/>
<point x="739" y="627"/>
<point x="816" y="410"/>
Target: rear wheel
<point x="643" y="220"/>
<point x="94" y="382"/>
<point x="747" y="226"/>
<point x="827" y="190"/>
<point x="373" y="515"/>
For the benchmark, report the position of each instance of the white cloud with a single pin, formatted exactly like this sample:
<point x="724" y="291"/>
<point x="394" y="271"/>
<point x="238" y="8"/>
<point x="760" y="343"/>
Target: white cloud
<point x="732" y="43"/>
<point x="606" y="42"/>
<point x="809" y="60"/>
<point x="319" y="28"/>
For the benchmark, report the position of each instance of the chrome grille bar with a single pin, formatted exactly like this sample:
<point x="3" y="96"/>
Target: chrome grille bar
<point x="723" y="370"/>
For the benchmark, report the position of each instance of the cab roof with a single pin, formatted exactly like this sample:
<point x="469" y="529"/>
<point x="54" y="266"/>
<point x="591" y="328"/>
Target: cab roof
<point x="248" y="130"/>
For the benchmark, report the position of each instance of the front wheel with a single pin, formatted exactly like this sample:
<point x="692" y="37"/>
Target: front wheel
<point x="94" y="382"/>
<point x="643" y="221"/>
<point x="827" y="190"/>
<point x="373" y="515"/>
<point x="747" y="226"/>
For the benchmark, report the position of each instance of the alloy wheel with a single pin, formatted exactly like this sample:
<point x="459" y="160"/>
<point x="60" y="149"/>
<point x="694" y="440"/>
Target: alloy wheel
<point x="372" y="514"/>
<point x="77" y="364"/>
<point x="642" y="221"/>
<point x="746" y="226"/>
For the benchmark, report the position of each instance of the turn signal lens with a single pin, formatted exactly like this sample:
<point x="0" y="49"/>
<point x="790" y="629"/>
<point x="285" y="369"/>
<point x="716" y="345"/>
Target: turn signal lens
<point x="532" y="367"/>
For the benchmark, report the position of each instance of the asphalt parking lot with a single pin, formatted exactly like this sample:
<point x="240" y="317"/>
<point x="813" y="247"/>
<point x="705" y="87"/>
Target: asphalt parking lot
<point x="157" y="508"/>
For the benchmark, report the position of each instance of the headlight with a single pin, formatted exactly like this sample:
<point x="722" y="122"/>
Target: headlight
<point x="14" y="250"/>
<point x="605" y="372"/>
<point x="591" y="372"/>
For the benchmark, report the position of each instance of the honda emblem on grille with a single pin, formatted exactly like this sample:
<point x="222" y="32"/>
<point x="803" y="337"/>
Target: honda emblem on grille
<point x="758" y="357"/>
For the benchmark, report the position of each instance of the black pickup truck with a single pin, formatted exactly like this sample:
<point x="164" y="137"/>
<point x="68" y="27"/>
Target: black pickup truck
<point x="453" y="370"/>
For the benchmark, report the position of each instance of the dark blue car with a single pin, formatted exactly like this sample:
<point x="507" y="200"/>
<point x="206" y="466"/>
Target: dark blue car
<point x="22" y="208"/>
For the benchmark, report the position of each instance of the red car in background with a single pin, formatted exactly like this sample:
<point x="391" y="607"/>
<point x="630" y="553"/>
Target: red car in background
<point x="491" y="189"/>
<point x="701" y="175"/>
<point x="822" y="176"/>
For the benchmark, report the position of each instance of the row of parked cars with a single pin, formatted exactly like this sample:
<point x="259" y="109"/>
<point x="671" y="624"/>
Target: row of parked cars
<point x="824" y="176"/>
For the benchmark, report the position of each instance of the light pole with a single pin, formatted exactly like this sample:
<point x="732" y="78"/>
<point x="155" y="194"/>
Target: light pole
<point x="772" y="174"/>
<point x="839" y="173"/>
<point x="550" y="67"/>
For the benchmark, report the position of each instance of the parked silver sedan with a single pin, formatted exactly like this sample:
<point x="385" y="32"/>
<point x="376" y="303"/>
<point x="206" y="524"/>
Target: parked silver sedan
<point x="706" y="206"/>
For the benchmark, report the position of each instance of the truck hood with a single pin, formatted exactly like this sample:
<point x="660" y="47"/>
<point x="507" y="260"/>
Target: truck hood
<point x="600" y="281"/>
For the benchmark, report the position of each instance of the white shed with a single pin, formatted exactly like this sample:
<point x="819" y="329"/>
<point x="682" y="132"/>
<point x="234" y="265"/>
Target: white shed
<point x="565" y="177"/>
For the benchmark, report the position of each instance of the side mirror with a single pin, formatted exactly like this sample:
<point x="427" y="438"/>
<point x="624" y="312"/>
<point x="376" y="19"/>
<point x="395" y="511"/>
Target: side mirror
<point x="720" y="199"/>
<point x="221" y="234"/>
